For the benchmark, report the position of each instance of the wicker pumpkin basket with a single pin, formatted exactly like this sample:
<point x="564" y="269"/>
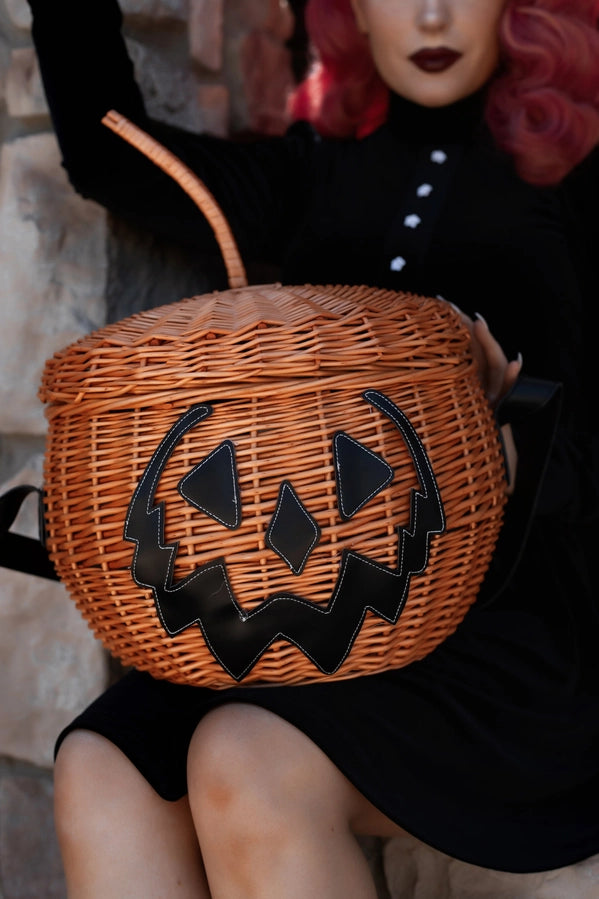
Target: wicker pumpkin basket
<point x="271" y="484"/>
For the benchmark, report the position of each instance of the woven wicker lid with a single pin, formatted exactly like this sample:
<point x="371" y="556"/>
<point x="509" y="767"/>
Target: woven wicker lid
<point x="261" y="333"/>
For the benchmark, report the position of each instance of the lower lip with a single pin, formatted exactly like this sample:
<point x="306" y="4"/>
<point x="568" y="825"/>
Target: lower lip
<point x="434" y="62"/>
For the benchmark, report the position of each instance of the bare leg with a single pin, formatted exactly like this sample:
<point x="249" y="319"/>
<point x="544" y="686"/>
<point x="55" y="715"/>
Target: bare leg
<point x="274" y="816"/>
<point x="117" y="836"/>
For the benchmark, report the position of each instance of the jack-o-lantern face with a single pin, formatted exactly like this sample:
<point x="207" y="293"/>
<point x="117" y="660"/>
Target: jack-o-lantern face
<point x="236" y="637"/>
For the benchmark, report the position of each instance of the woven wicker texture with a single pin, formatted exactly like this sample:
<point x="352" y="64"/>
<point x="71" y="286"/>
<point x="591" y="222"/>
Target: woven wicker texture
<point x="284" y="369"/>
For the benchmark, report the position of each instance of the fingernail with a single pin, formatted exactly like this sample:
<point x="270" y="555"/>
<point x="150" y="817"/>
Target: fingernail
<point x="481" y="319"/>
<point x="520" y="360"/>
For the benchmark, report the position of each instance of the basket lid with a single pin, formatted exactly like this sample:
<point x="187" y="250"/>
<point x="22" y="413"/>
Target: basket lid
<point x="261" y="333"/>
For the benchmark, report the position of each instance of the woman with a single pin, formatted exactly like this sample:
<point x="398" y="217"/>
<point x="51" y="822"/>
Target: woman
<point x="487" y="749"/>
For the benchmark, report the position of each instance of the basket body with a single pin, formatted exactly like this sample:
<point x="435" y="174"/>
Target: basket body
<point x="274" y="448"/>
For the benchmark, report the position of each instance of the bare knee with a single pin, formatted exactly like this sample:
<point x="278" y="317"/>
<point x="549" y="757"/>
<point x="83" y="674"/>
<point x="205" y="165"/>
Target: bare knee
<point x="248" y="767"/>
<point x="265" y="797"/>
<point x="94" y="782"/>
<point x="82" y="759"/>
<point x="226" y="756"/>
<point x="246" y="764"/>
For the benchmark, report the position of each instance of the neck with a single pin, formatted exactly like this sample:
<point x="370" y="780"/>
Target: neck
<point x="455" y="122"/>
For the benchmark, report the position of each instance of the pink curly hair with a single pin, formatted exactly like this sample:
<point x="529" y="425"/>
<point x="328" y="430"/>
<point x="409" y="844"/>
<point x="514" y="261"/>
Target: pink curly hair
<point x="542" y="106"/>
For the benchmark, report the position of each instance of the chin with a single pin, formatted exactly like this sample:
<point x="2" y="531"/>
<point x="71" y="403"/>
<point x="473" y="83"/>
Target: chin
<point x="435" y="90"/>
<point x="438" y="96"/>
<point x="432" y="102"/>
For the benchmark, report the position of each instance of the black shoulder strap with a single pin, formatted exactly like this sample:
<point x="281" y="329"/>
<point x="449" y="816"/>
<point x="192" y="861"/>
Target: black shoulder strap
<point x="533" y="409"/>
<point x="21" y="553"/>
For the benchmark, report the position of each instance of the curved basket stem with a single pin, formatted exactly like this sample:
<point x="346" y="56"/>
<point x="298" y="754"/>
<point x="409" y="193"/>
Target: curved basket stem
<point x="190" y="183"/>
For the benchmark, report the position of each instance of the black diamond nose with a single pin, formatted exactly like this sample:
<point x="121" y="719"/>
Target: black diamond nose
<point x="292" y="531"/>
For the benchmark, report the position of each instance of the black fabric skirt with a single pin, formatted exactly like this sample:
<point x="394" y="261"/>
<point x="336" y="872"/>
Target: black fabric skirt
<point x="488" y="749"/>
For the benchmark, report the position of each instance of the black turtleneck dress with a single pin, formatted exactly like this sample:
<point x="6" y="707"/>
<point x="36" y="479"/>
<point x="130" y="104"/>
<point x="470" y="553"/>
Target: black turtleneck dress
<point x="488" y="749"/>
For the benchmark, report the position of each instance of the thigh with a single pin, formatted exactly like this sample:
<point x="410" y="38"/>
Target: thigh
<point x="117" y="835"/>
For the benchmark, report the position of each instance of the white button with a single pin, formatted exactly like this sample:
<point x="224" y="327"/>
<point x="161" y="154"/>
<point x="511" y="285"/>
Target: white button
<point x="425" y="190"/>
<point x="412" y="221"/>
<point x="439" y="156"/>
<point x="397" y="264"/>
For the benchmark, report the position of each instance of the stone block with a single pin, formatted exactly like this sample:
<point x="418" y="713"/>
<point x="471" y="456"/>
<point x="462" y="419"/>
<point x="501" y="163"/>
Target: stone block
<point x="30" y="865"/>
<point x="155" y="11"/>
<point x="51" y="666"/>
<point x="213" y="101"/>
<point x="372" y="847"/>
<point x="168" y="86"/>
<point x="417" y="871"/>
<point x="267" y="82"/>
<point x="279" y="20"/>
<point x="24" y="91"/>
<point x="19" y="13"/>
<point x="257" y="64"/>
<point x="206" y="33"/>
<point x="272" y="16"/>
<point x="52" y="273"/>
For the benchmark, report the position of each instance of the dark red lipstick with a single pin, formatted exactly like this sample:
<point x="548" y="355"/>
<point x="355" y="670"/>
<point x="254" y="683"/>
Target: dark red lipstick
<point x="435" y="59"/>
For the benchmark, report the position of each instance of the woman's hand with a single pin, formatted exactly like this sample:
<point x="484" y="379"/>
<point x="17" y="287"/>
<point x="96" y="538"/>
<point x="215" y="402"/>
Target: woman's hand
<point x="496" y="373"/>
<point x="498" y="376"/>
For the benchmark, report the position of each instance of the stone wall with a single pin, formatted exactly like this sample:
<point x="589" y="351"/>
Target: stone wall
<point x="52" y="279"/>
<point x="217" y="65"/>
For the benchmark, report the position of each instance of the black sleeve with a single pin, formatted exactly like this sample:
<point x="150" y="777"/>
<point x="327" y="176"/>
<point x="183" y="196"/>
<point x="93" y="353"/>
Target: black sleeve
<point x="555" y="422"/>
<point x="86" y="71"/>
<point x="571" y="494"/>
<point x="580" y="196"/>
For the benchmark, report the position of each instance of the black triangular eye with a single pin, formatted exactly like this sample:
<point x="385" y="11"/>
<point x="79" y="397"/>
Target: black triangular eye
<point x="360" y="474"/>
<point x="212" y="486"/>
